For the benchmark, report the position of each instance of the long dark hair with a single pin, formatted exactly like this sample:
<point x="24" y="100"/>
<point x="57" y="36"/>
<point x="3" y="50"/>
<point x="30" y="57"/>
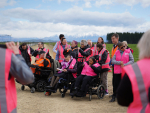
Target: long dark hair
<point x="102" y="40"/>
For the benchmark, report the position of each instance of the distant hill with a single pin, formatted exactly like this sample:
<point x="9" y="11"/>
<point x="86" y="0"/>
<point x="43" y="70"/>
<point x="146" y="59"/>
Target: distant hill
<point x="5" y="38"/>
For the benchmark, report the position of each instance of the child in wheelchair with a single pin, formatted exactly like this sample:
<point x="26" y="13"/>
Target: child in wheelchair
<point x="89" y="70"/>
<point x="67" y="71"/>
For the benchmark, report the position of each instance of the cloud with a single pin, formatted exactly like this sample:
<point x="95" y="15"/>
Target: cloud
<point x="75" y="16"/>
<point x="103" y="2"/>
<point x="4" y="3"/>
<point x="36" y="29"/>
<point x="88" y="4"/>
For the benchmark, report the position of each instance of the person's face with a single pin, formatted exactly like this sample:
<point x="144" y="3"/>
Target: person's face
<point x="40" y="45"/>
<point x="98" y="49"/>
<point x="89" y="43"/>
<point x="122" y="48"/>
<point x="24" y="47"/>
<point x="82" y="45"/>
<point x="73" y="44"/>
<point x="67" y="58"/>
<point x="64" y="42"/>
<point x="114" y="40"/>
<point x="99" y="40"/>
<point x="42" y="55"/>
<point x="125" y="45"/>
<point x="90" y="61"/>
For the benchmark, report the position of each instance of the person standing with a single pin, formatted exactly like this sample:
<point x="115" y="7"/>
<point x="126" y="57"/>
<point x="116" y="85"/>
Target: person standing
<point x="12" y="66"/>
<point x="121" y="58"/>
<point x="103" y="58"/>
<point x="92" y="47"/>
<point x="55" y="48"/>
<point x="26" y="52"/>
<point x="134" y="89"/>
<point x="41" y="48"/>
<point x="59" y="56"/>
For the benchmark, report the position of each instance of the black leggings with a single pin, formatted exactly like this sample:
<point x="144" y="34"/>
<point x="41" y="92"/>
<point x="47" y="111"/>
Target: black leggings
<point x="84" y="80"/>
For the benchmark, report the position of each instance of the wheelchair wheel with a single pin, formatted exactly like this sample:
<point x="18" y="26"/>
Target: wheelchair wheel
<point x="32" y="90"/>
<point x="100" y="91"/>
<point x="22" y="87"/>
<point x="62" y="95"/>
<point x="41" y="86"/>
<point x="90" y="95"/>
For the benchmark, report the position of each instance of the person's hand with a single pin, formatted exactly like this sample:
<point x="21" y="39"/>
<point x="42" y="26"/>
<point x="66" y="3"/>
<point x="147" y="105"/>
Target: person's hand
<point x="57" y="69"/>
<point x="78" y="47"/>
<point x="30" y="55"/>
<point x="121" y="63"/>
<point x="83" y="64"/>
<point x="65" y="70"/>
<point x="110" y="66"/>
<point x="40" y="50"/>
<point x="36" y="59"/>
<point x="12" y="46"/>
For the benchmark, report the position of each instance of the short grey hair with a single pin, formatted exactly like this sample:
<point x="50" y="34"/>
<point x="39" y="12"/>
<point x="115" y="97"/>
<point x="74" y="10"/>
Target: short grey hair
<point x="84" y="42"/>
<point x="144" y="46"/>
<point x="125" y="42"/>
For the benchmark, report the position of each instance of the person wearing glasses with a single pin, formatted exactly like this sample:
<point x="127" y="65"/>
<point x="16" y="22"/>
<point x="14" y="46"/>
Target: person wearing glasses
<point x="121" y="58"/>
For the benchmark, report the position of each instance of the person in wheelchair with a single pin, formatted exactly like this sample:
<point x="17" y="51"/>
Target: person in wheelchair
<point x="68" y="66"/>
<point x="41" y="62"/>
<point x="90" y="69"/>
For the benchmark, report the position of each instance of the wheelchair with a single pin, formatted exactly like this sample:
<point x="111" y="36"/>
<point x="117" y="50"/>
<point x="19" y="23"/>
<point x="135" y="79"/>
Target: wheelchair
<point x="64" y="84"/>
<point x="41" y="76"/>
<point x="95" y="87"/>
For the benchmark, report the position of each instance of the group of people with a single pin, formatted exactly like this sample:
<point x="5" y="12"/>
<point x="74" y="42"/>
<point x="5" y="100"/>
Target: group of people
<point x="131" y="82"/>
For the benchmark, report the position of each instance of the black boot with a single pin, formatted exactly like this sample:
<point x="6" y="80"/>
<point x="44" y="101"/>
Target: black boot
<point x="113" y="99"/>
<point x="74" y="92"/>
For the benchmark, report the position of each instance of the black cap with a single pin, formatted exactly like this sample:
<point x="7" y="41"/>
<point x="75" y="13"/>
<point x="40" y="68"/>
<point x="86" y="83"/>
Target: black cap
<point x="41" y="52"/>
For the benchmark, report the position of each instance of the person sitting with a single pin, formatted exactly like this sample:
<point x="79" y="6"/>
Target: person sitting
<point x="41" y="62"/>
<point x="89" y="69"/>
<point x="68" y="65"/>
<point x="26" y="52"/>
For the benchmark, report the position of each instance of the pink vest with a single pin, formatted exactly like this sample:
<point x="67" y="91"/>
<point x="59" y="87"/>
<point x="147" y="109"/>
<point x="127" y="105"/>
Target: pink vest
<point x="29" y="52"/>
<point x="46" y="50"/>
<point x="124" y="58"/>
<point x="61" y="56"/>
<point x="8" y="95"/>
<point x="138" y="74"/>
<point x="106" y="65"/>
<point x="87" y="70"/>
<point x="72" y="66"/>
<point x="79" y="55"/>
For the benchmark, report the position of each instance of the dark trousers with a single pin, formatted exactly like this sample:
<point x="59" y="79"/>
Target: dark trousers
<point x="116" y="82"/>
<point x="84" y="80"/>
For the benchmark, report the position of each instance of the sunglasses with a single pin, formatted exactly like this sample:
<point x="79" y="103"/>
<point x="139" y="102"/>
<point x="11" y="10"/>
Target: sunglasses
<point x="123" y="47"/>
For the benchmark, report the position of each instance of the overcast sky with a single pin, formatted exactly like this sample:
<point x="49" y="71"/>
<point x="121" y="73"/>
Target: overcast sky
<point x="44" y="18"/>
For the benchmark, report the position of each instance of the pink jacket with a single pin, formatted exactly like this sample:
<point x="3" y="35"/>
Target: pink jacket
<point x="87" y="70"/>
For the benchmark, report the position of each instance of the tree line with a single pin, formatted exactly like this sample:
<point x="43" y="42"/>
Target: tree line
<point x="131" y="38"/>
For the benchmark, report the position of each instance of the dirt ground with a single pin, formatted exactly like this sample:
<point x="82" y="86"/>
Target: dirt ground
<point x="39" y="103"/>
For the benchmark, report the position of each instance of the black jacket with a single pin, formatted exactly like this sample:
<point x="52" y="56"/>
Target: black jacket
<point x="35" y="53"/>
<point x="74" y="52"/>
<point x="87" y="53"/>
<point x="25" y="54"/>
<point x="103" y="60"/>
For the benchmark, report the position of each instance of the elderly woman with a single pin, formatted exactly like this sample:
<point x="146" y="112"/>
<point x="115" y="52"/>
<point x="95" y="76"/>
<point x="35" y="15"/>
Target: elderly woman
<point x="121" y="58"/>
<point x="73" y="50"/>
<point x="92" y="47"/>
<point x="84" y="51"/>
<point x="126" y="46"/>
<point x="134" y="89"/>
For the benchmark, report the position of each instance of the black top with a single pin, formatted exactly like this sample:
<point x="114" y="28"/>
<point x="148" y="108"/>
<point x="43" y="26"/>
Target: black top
<point x="25" y="54"/>
<point x="124" y="92"/>
<point x="74" y="52"/>
<point x="35" y="53"/>
<point x="87" y="53"/>
<point x="103" y="59"/>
